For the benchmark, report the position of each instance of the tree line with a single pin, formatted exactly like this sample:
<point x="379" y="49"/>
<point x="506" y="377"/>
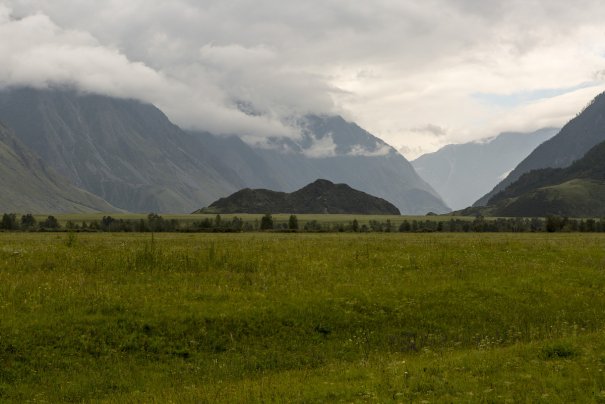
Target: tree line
<point x="156" y="223"/>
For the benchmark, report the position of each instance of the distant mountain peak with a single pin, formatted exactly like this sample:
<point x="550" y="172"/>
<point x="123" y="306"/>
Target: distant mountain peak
<point x="462" y="173"/>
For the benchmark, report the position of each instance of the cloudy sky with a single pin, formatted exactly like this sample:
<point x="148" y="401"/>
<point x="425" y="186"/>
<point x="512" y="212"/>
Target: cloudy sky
<point x="419" y="74"/>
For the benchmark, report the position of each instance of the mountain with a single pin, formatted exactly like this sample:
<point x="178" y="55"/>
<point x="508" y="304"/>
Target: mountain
<point x="130" y="154"/>
<point x="339" y="151"/>
<point x="576" y="138"/>
<point x="29" y="186"/>
<point x="576" y="191"/>
<point x="321" y="196"/>
<point x="124" y="151"/>
<point x="462" y="173"/>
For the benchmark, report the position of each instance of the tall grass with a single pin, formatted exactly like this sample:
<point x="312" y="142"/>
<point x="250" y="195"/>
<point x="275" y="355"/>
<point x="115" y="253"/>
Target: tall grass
<point x="300" y="317"/>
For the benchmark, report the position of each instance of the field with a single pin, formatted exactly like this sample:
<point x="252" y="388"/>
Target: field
<point x="302" y="317"/>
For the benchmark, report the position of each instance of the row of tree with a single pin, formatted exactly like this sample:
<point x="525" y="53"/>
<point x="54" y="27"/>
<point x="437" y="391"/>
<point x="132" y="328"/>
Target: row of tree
<point x="156" y="223"/>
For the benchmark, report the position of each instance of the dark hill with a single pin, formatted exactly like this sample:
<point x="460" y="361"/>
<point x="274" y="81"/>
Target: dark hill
<point x="322" y="196"/>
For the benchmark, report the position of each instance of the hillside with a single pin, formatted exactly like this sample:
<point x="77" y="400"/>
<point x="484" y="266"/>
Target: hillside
<point x="576" y="191"/>
<point x="29" y="186"/>
<point x="462" y="173"/>
<point x="130" y="154"/>
<point x="124" y="151"/>
<point x="573" y="141"/>
<point x="321" y="196"/>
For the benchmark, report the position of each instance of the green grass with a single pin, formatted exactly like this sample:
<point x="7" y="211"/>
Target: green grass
<point x="302" y="317"/>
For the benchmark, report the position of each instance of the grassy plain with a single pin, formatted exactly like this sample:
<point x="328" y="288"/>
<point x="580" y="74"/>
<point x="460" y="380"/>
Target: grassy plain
<point x="302" y="317"/>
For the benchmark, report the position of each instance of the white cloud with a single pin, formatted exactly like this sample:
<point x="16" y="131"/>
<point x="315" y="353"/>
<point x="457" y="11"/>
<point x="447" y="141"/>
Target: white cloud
<point x="359" y="150"/>
<point x="324" y="147"/>
<point x="42" y="54"/>
<point x="393" y="66"/>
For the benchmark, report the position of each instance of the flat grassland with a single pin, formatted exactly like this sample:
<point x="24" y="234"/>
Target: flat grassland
<point x="302" y="317"/>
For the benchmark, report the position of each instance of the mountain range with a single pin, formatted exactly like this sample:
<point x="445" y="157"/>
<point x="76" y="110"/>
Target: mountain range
<point x="128" y="154"/>
<point x="564" y="176"/>
<point x="462" y="173"/>
<point x="321" y="196"/>
<point x="574" y="140"/>
<point x="576" y="191"/>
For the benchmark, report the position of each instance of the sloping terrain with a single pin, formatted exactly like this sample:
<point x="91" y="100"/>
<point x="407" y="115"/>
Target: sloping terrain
<point x="28" y="186"/>
<point x="576" y="138"/>
<point x="462" y="173"/>
<point x="124" y="151"/>
<point x="575" y="191"/>
<point x="321" y="196"/>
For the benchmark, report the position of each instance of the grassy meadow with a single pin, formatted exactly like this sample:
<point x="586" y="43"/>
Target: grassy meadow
<point x="260" y="317"/>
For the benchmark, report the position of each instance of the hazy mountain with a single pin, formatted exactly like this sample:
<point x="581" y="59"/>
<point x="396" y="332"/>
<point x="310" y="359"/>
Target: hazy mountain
<point x="576" y="138"/>
<point x="330" y="148"/>
<point x="321" y="196"/>
<point x="131" y="155"/>
<point x="124" y="151"/>
<point x="29" y="186"/>
<point x="576" y="191"/>
<point x="462" y="173"/>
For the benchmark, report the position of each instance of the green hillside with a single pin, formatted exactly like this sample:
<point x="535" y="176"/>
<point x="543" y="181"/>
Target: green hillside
<point x="576" y="138"/>
<point x="578" y="191"/>
<point x="28" y="185"/>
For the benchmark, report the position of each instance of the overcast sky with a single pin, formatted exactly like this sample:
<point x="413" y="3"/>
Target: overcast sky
<point x="419" y="74"/>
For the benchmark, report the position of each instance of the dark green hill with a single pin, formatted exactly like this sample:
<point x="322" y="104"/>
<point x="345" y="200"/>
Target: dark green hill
<point x="321" y="196"/>
<point x="577" y="191"/>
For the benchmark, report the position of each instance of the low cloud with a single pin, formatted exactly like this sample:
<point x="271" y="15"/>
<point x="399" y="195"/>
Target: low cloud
<point x="431" y="129"/>
<point x="388" y="65"/>
<point x="41" y="54"/>
<point x="380" y="150"/>
<point x="321" y="148"/>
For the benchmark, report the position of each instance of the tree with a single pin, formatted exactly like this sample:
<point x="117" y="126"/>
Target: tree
<point x="9" y="221"/>
<point x="293" y="222"/>
<point x="51" y="222"/>
<point x="28" y="221"/>
<point x="266" y="222"/>
<point x="355" y="225"/>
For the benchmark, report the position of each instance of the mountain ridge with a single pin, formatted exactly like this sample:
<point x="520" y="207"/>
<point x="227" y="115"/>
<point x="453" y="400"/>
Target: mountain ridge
<point x="130" y="154"/>
<point x="574" y="140"/>
<point x="575" y="191"/>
